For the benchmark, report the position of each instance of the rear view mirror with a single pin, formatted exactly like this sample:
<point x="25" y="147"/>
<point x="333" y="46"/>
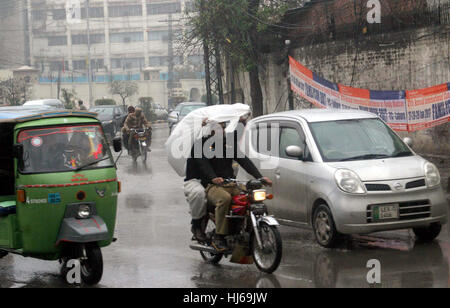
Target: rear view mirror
<point x="117" y="144"/>
<point x="294" y="151"/>
<point x="18" y="151"/>
<point x="408" y="141"/>
<point x="18" y="154"/>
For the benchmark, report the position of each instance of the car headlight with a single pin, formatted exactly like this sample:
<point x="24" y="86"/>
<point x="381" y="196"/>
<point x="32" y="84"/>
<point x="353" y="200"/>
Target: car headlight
<point x="348" y="181"/>
<point x="84" y="211"/>
<point x="432" y="176"/>
<point x="259" y="195"/>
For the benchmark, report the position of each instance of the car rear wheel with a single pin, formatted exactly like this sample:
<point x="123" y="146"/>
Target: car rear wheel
<point x="428" y="234"/>
<point x="324" y="227"/>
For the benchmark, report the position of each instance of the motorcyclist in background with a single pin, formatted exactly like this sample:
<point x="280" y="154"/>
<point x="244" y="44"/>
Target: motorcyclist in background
<point x="125" y="134"/>
<point x="137" y="120"/>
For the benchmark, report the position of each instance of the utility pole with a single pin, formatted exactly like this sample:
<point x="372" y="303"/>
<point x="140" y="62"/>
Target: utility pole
<point x="89" y="53"/>
<point x="170" y="82"/>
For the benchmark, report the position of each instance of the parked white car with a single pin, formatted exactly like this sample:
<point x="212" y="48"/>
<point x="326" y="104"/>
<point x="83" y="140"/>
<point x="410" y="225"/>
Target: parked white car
<point x="51" y="103"/>
<point x="345" y="172"/>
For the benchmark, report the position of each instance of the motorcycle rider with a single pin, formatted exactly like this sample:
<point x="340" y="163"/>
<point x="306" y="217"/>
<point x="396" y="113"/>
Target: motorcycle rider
<point x="214" y="170"/>
<point x="137" y="120"/>
<point x="125" y="134"/>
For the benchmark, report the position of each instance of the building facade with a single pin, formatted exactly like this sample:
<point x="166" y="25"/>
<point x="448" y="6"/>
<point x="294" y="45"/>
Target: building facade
<point x="129" y="40"/>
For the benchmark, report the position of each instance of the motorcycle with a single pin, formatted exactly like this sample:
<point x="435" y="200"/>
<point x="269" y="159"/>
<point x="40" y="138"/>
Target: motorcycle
<point x="139" y="137"/>
<point x="253" y="234"/>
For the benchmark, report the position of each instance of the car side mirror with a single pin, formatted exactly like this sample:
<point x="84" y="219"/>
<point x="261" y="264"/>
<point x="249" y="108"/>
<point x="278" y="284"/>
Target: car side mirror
<point x="18" y="154"/>
<point x="408" y="141"/>
<point x="117" y="144"/>
<point x="294" y="151"/>
<point x="18" y="151"/>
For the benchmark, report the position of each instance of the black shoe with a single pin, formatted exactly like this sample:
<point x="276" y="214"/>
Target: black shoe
<point x="219" y="244"/>
<point x="198" y="234"/>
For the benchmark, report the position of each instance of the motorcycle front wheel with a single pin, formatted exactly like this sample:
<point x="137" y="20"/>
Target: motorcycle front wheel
<point x="212" y="258"/>
<point x="268" y="258"/>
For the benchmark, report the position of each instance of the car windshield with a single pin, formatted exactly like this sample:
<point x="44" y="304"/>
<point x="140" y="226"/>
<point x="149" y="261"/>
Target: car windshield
<point x="188" y="109"/>
<point x="66" y="148"/>
<point x="357" y="140"/>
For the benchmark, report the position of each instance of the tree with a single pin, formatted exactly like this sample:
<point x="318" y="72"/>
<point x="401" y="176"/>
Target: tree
<point x="105" y="101"/>
<point x="15" y="91"/>
<point x="240" y="29"/>
<point x="69" y="98"/>
<point x="124" y="88"/>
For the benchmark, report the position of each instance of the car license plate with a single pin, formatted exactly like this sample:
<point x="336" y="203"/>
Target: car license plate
<point x="385" y="212"/>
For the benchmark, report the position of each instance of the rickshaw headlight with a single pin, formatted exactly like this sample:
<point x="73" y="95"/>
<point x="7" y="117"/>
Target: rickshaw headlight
<point x="84" y="211"/>
<point x="259" y="195"/>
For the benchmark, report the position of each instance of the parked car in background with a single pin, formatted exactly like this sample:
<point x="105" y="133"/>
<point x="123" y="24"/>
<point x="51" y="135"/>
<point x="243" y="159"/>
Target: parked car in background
<point x="160" y="112"/>
<point x="345" y="172"/>
<point x="50" y="103"/>
<point x="182" y="110"/>
<point x="111" y="116"/>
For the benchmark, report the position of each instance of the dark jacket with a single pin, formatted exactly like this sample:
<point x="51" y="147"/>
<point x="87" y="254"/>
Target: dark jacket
<point x="207" y="169"/>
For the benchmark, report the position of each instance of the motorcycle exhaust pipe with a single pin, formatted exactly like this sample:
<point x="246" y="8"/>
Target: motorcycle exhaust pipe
<point x="204" y="248"/>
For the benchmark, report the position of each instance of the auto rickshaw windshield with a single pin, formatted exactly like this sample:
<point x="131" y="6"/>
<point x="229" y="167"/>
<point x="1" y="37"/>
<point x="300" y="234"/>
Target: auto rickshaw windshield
<point x="65" y="148"/>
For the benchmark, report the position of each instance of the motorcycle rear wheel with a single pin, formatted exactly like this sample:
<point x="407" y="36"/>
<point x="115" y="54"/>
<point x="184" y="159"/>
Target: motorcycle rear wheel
<point x="211" y="258"/>
<point x="267" y="259"/>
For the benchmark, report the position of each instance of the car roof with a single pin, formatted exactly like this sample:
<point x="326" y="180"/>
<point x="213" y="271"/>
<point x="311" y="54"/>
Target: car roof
<point x="23" y="114"/>
<point x="43" y="101"/>
<point x="104" y="106"/>
<point x="193" y="104"/>
<point x="323" y="115"/>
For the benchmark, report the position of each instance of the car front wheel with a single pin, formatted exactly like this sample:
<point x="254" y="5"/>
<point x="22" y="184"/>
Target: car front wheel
<point x="428" y="234"/>
<point x="324" y="227"/>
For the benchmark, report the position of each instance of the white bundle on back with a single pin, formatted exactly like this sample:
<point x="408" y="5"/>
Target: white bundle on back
<point x="190" y="129"/>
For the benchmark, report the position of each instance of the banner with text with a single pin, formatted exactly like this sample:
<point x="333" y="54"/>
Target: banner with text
<point x="402" y="110"/>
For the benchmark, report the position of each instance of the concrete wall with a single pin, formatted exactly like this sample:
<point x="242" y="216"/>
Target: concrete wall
<point x="12" y="35"/>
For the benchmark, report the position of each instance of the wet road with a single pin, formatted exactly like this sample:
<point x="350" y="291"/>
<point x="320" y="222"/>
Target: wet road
<point x="153" y="235"/>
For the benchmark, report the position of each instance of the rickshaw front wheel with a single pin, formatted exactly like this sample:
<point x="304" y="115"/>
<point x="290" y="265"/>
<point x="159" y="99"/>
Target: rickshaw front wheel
<point x="3" y="254"/>
<point x="91" y="264"/>
<point x="91" y="261"/>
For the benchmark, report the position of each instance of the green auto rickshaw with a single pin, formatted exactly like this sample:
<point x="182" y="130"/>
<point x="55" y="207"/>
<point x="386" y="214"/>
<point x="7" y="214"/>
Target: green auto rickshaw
<point x="58" y="188"/>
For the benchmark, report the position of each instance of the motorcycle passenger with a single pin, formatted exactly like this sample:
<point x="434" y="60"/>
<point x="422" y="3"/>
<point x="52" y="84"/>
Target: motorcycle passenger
<point x="213" y="172"/>
<point x="137" y="120"/>
<point x="125" y="134"/>
<point x="195" y="194"/>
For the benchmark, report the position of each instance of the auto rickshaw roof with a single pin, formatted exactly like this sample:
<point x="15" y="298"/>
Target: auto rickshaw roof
<point x="23" y="114"/>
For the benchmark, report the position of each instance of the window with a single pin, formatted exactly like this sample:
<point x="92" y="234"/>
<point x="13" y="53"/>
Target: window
<point x="39" y="15"/>
<point x="163" y="8"/>
<point x="357" y="140"/>
<point x="128" y="63"/>
<point x="81" y="39"/>
<point x="195" y="59"/>
<point x="55" y="66"/>
<point x="159" y="61"/>
<point x="158" y="35"/>
<point x="96" y="64"/>
<point x="262" y="138"/>
<point x="59" y="14"/>
<point x="290" y="136"/>
<point x="65" y="148"/>
<point x="57" y="40"/>
<point x="125" y="10"/>
<point x="94" y="12"/>
<point x="127" y="37"/>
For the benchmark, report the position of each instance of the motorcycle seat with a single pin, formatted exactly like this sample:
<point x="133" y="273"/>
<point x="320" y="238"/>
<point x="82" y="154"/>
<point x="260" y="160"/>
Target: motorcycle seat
<point x="7" y="208"/>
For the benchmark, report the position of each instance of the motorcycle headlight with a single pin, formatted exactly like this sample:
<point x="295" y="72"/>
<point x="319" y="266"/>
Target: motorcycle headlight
<point x="259" y="195"/>
<point x="348" y="181"/>
<point x="432" y="176"/>
<point x="84" y="211"/>
<point x="107" y="122"/>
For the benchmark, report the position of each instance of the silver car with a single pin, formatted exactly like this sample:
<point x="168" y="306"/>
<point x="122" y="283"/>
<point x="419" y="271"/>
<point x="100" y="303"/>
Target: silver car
<point x="345" y="172"/>
<point x="182" y="110"/>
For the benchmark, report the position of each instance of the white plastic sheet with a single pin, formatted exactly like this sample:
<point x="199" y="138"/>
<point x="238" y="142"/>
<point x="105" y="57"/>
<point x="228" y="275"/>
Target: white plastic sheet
<point x="190" y="129"/>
